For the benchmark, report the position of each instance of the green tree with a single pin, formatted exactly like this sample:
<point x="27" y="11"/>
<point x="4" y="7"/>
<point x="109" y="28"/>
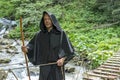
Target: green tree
<point x="109" y="8"/>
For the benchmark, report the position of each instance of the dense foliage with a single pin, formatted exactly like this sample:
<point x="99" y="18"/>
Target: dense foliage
<point x="91" y="26"/>
<point x="109" y="8"/>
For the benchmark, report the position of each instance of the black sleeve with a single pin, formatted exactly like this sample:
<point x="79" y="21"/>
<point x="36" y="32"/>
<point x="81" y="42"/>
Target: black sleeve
<point x="67" y="47"/>
<point x="31" y="43"/>
<point x="30" y="47"/>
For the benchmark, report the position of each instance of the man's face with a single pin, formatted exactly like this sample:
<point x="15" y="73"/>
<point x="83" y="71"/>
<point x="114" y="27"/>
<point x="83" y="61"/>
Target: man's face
<point x="47" y="21"/>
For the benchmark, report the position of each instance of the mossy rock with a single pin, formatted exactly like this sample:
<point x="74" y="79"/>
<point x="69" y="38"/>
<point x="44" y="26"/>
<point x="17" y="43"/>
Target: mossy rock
<point x="69" y="69"/>
<point x="5" y="60"/>
<point x="3" y="74"/>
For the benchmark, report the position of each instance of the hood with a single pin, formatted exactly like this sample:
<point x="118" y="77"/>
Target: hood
<point x="54" y="21"/>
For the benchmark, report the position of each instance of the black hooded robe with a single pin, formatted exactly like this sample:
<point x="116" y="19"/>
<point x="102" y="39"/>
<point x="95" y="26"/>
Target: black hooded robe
<point x="44" y="48"/>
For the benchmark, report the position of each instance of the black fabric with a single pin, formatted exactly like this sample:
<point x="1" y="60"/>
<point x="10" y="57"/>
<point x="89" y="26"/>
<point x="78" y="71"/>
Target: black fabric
<point x="52" y="72"/>
<point x="61" y="51"/>
<point x="44" y="48"/>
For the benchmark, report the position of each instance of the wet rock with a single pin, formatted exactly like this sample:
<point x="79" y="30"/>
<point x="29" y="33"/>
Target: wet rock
<point x="1" y="51"/>
<point x="1" y="48"/>
<point x="78" y="63"/>
<point x="5" y="36"/>
<point x="3" y="75"/>
<point x="11" y="47"/>
<point x="4" y="42"/>
<point x="69" y="69"/>
<point x="33" y="73"/>
<point x="11" y="51"/>
<point x="34" y="70"/>
<point x="16" y="52"/>
<point x="5" y="60"/>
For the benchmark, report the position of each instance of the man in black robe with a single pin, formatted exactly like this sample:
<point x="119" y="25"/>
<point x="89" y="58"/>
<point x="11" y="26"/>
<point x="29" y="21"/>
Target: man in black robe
<point x="49" y="45"/>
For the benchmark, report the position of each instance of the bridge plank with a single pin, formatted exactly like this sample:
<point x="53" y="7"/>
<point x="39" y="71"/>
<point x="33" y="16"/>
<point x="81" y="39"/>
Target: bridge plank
<point x="88" y="77"/>
<point x="117" y="65"/>
<point x="110" y="67"/>
<point x="115" y="62"/>
<point x="116" y="58"/>
<point x="105" y="73"/>
<point x="102" y="76"/>
<point x="110" y="70"/>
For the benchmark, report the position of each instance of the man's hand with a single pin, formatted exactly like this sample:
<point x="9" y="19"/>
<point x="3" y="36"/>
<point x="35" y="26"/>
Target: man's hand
<point x="60" y="62"/>
<point x="24" y="49"/>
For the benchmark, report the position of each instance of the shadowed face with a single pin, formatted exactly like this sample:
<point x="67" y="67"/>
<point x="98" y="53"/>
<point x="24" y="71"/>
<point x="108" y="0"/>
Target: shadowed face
<point x="47" y="21"/>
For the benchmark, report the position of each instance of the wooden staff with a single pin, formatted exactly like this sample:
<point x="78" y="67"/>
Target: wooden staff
<point x="22" y="38"/>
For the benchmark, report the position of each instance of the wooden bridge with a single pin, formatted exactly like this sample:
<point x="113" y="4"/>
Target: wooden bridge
<point x="110" y="70"/>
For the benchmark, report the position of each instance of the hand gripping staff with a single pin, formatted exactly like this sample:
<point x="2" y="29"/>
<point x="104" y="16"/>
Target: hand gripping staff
<point x="22" y="38"/>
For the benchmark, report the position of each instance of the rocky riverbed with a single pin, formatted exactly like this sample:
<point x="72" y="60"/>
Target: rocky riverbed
<point x="11" y="57"/>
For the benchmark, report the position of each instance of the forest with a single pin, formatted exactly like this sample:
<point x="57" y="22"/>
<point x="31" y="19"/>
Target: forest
<point x="93" y="26"/>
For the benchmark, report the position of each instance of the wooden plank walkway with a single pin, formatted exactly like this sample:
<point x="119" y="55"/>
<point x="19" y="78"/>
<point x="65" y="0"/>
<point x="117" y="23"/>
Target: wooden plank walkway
<point x="110" y="70"/>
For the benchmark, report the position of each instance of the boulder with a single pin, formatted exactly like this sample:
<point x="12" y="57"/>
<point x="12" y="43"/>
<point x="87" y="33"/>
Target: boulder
<point x="4" y="61"/>
<point x="3" y="74"/>
<point x="69" y="69"/>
